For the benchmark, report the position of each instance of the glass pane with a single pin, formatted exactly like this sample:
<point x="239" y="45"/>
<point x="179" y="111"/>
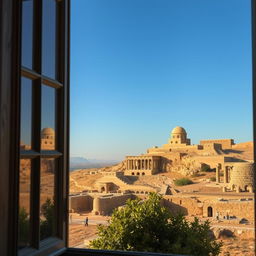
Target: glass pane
<point x="48" y="118"/>
<point x="26" y="113"/>
<point x="47" y="208"/>
<point x="49" y="39"/>
<point x="24" y="202"/>
<point x="27" y="33"/>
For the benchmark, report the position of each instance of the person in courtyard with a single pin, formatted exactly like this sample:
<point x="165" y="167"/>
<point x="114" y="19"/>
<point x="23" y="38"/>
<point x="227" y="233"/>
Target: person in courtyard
<point x="86" y="222"/>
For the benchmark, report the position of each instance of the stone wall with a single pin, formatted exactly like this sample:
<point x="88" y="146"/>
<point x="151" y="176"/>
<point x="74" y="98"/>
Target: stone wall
<point x="242" y="177"/>
<point x="80" y="203"/>
<point x="238" y="208"/>
<point x="225" y="143"/>
<point x="184" y="205"/>
<point x="104" y="205"/>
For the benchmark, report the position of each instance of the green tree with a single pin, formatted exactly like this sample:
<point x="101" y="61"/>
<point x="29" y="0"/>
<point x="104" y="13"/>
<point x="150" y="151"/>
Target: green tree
<point x="47" y="223"/>
<point x="148" y="226"/>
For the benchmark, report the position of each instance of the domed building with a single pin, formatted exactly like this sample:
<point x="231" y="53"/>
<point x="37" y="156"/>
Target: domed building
<point x="47" y="139"/>
<point x="179" y="137"/>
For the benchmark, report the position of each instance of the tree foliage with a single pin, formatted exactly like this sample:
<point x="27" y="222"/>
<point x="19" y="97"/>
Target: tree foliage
<point x="48" y="220"/>
<point x="206" y="168"/>
<point x="147" y="226"/>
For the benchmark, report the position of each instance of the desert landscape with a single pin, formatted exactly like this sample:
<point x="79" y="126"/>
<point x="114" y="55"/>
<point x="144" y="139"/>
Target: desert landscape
<point x="213" y="181"/>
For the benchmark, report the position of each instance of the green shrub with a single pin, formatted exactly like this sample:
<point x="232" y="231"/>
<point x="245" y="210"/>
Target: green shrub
<point x="206" y="168"/>
<point x="213" y="179"/>
<point x="183" y="182"/>
<point x="148" y="226"/>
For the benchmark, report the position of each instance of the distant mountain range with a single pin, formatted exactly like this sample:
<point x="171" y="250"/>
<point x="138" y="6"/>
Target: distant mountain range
<point x="83" y="163"/>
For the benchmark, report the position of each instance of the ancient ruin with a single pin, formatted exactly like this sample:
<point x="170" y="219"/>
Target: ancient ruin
<point x="221" y="171"/>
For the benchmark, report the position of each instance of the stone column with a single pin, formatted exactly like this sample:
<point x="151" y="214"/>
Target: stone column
<point x="226" y="170"/>
<point x="218" y="168"/>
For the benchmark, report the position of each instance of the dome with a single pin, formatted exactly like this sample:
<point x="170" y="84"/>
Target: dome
<point x="179" y="130"/>
<point x="48" y="131"/>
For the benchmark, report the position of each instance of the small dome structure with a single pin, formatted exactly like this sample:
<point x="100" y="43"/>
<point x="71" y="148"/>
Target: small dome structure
<point x="48" y="131"/>
<point x="178" y="130"/>
<point x="179" y="137"/>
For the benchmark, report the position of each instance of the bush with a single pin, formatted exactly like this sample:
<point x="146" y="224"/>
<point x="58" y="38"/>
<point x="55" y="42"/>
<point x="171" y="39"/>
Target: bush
<point x="213" y="179"/>
<point x="147" y="226"/>
<point x="183" y="182"/>
<point x="206" y="168"/>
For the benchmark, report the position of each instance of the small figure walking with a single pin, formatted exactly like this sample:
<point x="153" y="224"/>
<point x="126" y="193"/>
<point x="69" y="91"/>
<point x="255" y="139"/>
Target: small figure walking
<point x="86" y="222"/>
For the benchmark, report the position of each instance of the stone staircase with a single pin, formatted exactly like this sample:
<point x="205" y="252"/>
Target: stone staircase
<point x="124" y="179"/>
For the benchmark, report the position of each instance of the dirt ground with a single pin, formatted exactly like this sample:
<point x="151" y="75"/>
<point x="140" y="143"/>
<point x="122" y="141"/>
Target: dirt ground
<point x="237" y="247"/>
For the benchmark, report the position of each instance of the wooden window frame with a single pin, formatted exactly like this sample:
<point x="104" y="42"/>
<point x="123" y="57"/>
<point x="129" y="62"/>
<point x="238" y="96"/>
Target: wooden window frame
<point x="10" y="74"/>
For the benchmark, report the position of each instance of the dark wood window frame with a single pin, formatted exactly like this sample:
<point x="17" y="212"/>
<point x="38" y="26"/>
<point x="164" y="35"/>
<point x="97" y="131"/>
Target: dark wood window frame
<point x="10" y="75"/>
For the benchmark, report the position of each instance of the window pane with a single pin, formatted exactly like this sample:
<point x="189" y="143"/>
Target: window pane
<point x="49" y="39"/>
<point x="48" y="118"/>
<point x="27" y="33"/>
<point x="47" y="208"/>
<point x="24" y="202"/>
<point x="26" y="113"/>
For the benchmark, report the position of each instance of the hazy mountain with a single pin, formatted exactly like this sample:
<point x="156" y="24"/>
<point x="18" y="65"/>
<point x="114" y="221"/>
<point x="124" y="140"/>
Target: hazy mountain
<point x="83" y="163"/>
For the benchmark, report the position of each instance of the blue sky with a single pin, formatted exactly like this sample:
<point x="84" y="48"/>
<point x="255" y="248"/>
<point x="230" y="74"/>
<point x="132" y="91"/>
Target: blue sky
<point x="141" y="67"/>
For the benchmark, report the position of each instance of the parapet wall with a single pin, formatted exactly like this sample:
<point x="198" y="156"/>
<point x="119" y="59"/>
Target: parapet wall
<point x="225" y="143"/>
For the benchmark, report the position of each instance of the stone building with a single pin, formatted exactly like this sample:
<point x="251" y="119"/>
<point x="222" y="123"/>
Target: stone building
<point x="225" y="143"/>
<point x="161" y="159"/>
<point x="237" y="177"/>
<point x="179" y="137"/>
<point x="47" y="139"/>
<point x="142" y="165"/>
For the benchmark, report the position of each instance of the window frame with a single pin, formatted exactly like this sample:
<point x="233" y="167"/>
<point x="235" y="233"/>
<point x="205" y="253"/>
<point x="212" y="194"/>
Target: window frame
<point x="61" y="152"/>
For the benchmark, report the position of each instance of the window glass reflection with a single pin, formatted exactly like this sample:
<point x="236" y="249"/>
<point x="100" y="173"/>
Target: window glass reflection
<point x="48" y="118"/>
<point x="47" y="198"/>
<point x="24" y="202"/>
<point x="49" y="39"/>
<point x="26" y="113"/>
<point x="27" y="33"/>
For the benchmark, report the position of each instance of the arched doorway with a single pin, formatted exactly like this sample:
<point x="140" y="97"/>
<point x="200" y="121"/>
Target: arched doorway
<point x="102" y="190"/>
<point x="209" y="211"/>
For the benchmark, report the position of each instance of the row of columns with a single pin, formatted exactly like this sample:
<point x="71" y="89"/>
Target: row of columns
<point x="140" y="164"/>
<point x="226" y="173"/>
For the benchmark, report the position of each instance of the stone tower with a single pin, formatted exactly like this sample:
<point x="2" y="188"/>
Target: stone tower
<point x="179" y="137"/>
<point x="47" y="139"/>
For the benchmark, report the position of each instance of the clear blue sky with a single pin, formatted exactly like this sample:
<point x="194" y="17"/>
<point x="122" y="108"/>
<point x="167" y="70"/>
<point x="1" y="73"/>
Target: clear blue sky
<point x="141" y="67"/>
